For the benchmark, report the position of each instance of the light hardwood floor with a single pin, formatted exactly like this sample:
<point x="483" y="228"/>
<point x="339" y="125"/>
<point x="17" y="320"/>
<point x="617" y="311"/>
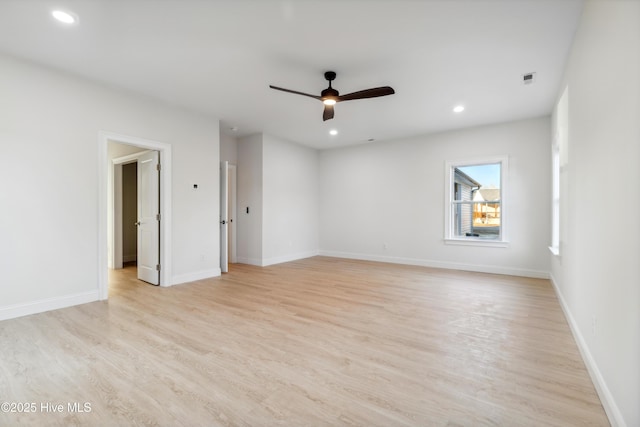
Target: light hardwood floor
<point x="315" y="342"/>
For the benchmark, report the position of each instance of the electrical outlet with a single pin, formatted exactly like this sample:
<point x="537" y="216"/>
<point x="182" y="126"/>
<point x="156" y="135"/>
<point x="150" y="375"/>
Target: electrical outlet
<point x="384" y="246"/>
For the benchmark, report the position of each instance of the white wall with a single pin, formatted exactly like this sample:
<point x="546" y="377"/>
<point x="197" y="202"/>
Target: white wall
<point x="392" y="193"/>
<point x="49" y="137"/>
<point x="290" y="201"/>
<point x="597" y="273"/>
<point x="279" y="181"/>
<point x="228" y="149"/>
<point x="115" y="150"/>
<point x="250" y="196"/>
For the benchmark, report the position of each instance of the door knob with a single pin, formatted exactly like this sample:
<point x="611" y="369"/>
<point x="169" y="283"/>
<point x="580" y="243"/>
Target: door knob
<point x="223" y="222"/>
<point x="137" y="223"/>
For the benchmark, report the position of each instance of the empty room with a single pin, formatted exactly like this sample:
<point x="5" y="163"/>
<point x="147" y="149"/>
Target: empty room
<point x="319" y="213"/>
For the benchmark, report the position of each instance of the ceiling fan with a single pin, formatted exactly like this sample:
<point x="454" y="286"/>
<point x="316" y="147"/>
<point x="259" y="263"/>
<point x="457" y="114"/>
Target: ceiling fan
<point x="330" y="96"/>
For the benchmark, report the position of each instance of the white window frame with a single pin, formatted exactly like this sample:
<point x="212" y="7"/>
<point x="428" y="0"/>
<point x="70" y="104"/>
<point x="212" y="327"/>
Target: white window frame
<point x="559" y="159"/>
<point x="449" y="235"/>
<point x="555" y="198"/>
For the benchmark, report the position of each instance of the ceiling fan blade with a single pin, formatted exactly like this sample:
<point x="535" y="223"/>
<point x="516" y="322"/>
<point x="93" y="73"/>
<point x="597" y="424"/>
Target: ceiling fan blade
<point x="368" y="93"/>
<point x="295" y="91"/>
<point x="328" y="113"/>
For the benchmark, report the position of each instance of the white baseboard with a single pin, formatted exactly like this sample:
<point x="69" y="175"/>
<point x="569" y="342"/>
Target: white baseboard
<point x="287" y="258"/>
<point x="198" y="275"/>
<point x="250" y="261"/>
<point x="40" y="306"/>
<point x="494" y="269"/>
<point x="613" y="412"/>
<point x="276" y="260"/>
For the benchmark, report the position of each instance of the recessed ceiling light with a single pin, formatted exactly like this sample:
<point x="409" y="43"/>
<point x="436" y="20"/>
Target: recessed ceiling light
<point x="458" y="109"/>
<point x="65" y="17"/>
<point x="333" y="132"/>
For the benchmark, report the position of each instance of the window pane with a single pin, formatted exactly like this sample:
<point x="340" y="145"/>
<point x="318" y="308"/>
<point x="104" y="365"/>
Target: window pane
<point x="476" y="202"/>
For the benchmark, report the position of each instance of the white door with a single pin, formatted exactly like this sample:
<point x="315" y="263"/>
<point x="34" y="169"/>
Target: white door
<point x="224" y="217"/>
<point x="149" y="217"/>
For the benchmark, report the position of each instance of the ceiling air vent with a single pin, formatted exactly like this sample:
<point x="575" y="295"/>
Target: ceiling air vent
<point x="528" y="78"/>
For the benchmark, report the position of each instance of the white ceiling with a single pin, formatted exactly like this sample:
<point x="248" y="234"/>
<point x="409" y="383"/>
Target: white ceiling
<point x="219" y="58"/>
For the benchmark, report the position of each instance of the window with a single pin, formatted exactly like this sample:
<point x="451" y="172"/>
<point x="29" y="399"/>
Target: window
<point x="555" y="199"/>
<point x="475" y="211"/>
<point x="559" y="156"/>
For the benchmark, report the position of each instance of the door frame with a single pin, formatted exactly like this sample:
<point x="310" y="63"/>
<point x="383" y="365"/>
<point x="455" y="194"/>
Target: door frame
<point x="105" y="182"/>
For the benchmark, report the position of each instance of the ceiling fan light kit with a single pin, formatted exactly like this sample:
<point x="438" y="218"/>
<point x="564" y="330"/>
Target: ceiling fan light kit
<point x="330" y="96"/>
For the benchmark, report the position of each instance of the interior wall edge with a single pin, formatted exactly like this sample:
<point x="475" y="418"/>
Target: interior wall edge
<point x="491" y="269"/>
<point x="197" y="275"/>
<point x="40" y="306"/>
<point x="608" y="402"/>
<point x="289" y="257"/>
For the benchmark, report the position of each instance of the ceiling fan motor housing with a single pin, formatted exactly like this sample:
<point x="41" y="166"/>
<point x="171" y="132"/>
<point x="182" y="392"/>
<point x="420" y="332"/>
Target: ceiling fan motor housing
<point x="330" y="75"/>
<point x="329" y="93"/>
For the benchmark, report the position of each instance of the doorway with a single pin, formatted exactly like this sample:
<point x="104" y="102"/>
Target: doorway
<point x="109" y="250"/>
<point x="233" y="225"/>
<point x="129" y="214"/>
<point x="136" y="211"/>
<point x="228" y="227"/>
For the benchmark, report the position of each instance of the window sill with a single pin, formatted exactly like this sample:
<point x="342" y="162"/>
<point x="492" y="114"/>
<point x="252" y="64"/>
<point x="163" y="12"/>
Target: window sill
<point x="478" y="242"/>
<point x="555" y="251"/>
